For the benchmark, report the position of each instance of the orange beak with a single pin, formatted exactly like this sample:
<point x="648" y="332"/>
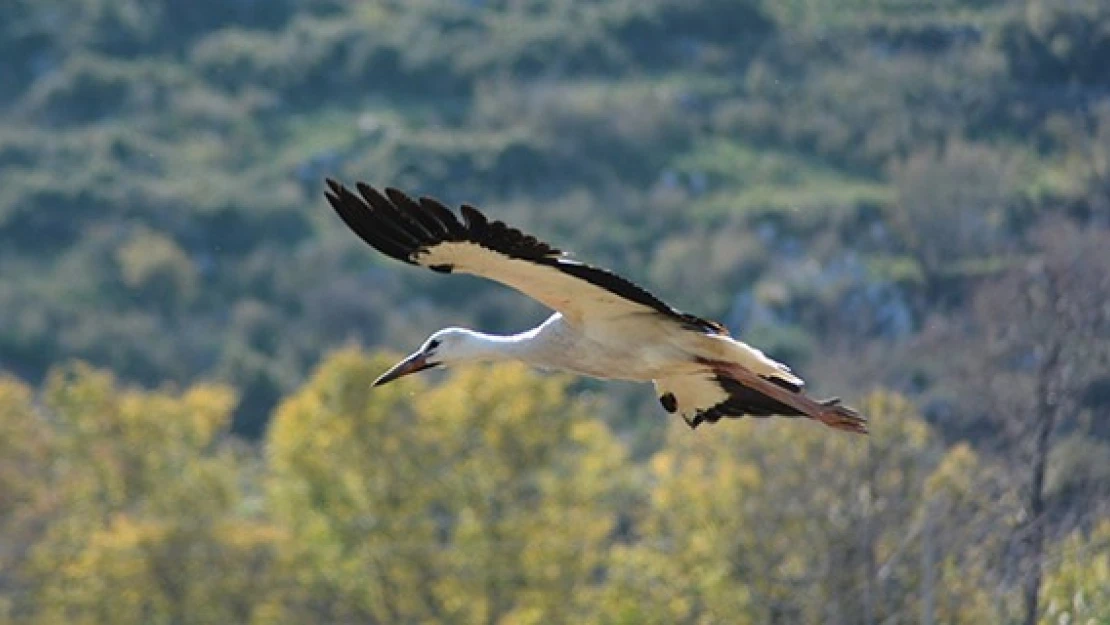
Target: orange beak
<point x="412" y="364"/>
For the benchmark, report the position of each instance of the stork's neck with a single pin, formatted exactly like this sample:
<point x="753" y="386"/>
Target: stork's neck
<point x="532" y="346"/>
<point x="484" y="347"/>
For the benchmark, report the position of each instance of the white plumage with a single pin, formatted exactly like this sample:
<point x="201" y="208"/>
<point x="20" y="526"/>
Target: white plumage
<point x="605" y="326"/>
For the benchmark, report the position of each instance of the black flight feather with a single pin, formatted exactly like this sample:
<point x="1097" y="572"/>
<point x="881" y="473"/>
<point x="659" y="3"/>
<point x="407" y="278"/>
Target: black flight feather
<point x="746" y="401"/>
<point x="455" y="230"/>
<point x="358" y="221"/>
<point x="400" y="227"/>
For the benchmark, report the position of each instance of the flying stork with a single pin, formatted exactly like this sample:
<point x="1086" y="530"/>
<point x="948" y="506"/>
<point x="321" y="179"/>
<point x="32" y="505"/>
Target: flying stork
<point x="604" y="326"/>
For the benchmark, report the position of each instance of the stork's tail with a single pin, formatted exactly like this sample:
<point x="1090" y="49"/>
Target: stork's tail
<point x="830" y="411"/>
<point x="837" y="416"/>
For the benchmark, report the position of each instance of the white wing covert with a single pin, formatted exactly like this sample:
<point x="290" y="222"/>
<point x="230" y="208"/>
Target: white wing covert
<point x="425" y="232"/>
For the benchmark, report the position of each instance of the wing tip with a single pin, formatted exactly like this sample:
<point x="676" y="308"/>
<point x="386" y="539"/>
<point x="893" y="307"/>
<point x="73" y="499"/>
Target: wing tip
<point x="374" y="225"/>
<point x="397" y="197"/>
<point x="473" y="218"/>
<point x="366" y="191"/>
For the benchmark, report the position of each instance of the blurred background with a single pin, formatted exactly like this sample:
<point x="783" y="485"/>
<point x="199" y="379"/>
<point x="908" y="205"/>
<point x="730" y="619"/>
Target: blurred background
<point x="907" y="200"/>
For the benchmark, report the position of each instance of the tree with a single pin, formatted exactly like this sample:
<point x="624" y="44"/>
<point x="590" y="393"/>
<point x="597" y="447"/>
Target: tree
<point x="149" y="526"/>
<point x="952" y="209"/>
<point x="1038" y="343"/>
<point x="967" y="514"/>
<point x="780" y="522"/>
<point x="489" y="498"/>
<point x="1077" y="579"/>
<point x="27" y="451"/>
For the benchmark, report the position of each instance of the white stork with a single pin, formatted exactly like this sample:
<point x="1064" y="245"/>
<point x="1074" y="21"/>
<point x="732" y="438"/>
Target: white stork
<point x="604" y="326"/>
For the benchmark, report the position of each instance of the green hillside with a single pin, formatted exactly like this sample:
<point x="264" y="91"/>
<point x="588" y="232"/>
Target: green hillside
<point x="892" y="195"/>
<point x="161" y="167"/>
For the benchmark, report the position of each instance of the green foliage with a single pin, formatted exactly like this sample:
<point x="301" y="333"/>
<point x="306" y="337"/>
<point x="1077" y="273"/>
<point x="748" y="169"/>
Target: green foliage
<point x="154" y="265"/>
<point x="756" y="181"/>
<point x="160" y="166"/>
<point x="1058" y="44"/>
<point x="90" y="89"/>
<point x="952" y="206"/>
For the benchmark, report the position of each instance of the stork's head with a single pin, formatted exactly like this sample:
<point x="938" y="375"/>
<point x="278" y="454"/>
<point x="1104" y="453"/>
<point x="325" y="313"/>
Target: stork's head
<point x="449" y="345"/>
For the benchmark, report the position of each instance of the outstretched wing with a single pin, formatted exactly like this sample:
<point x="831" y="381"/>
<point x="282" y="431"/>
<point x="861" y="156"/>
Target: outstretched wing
<point x="425" y="232"/>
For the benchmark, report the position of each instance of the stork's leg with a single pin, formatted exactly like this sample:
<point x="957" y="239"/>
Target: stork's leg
<point x="830" y="412"/>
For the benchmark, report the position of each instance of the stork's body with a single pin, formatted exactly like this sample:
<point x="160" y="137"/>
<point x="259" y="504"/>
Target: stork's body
<point x="638" y="348"/>
<point x="605" y="326"/>
<point x="556" y="344"/>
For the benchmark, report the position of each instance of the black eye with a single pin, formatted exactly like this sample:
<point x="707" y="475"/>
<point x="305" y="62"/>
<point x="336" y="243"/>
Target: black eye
<point x="434" y="343"/>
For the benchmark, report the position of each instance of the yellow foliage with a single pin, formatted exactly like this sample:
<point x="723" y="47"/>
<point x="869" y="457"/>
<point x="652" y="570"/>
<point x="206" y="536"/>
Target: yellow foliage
<point x="955" y="473"/>
<point x="1076" y="589"/>
<point x="749" y="516"/>
<point x="493" y="495"/>
<point x="27" y="451"/>
<point x="970" y="515"/>
<point x="488" y="497"/>
<point x="26" y="446"/>
<point x="645" y="587"/>
<point x="135" y="570"/>
<point x="145" y="529"/>
<point x="122" y="444"/>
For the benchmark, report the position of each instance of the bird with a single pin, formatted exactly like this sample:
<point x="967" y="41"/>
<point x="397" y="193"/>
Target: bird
<point x="602" y="325"/>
